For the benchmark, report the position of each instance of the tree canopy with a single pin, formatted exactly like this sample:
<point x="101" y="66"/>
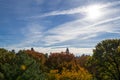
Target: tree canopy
<point x="32" y="65"/>
<point x="104" y="64"/>
<point x="106" y="60"/>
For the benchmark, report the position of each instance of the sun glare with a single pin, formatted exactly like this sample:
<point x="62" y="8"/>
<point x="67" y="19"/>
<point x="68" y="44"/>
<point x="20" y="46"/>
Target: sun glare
<point x="93" y="12"/>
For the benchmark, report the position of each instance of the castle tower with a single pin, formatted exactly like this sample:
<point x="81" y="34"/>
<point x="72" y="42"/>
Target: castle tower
<point x="32" y="49"/>
<point x="67" y="51"/>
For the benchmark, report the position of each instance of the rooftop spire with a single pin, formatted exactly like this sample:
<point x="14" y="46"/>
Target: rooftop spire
<point x="67" y="50"/>
<point x="32" y="49"/>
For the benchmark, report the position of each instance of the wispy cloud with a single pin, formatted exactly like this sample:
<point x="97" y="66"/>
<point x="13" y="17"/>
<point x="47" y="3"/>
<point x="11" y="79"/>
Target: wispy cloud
<point x="76" y="51"/>
<point x="51" y="26"/>
<point x="78" y="10"/>
<point x="33" y="33"/>
<point x="81" y="29"/>
<point x="74" y="30"/>
<point x="68" y="31"/>
<point x="64" y="12"/>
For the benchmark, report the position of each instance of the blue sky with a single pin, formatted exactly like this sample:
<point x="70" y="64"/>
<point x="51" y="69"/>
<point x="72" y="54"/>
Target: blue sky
<point x="53" y="25"/>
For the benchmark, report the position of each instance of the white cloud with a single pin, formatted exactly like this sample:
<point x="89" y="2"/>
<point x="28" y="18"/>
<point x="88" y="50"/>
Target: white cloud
<point x="33" y="34"/>
<point x="81" y="28"/>
<point x="90" y="36"/>
<point x="71" y="30"/>
<point x="78" y="28"/>
<point x="78" y="10"/>
<point x="75" y="51"/>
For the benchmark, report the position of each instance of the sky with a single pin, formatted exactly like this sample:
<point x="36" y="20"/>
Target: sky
<point x="53" y="25"/>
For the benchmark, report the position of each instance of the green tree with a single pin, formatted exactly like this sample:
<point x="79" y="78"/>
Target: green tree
<point x="82" y="60"/>
<point x="20" y="67"/>
<point x="106" y="60"/>
<point x="29" y="68"/>
<point x="6" y="57"/>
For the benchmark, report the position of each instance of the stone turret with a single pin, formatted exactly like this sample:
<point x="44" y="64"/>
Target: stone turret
<point x="67" y="51"/>
<point x="32" y="49"/>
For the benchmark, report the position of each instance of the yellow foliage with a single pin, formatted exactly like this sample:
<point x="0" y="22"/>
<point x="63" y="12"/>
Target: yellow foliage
<point x="66" y="74"/>
<point x="81" y="74"/>
<point x="23" y="67"/>
<point x="53" y="71"/>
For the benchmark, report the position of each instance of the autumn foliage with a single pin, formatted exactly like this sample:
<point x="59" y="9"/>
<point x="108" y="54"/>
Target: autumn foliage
<point x="104" y="64"/>
<point x="32" y="65"/>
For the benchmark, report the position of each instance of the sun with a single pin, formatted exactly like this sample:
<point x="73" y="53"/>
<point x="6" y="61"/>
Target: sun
<point x="93" y="12"/>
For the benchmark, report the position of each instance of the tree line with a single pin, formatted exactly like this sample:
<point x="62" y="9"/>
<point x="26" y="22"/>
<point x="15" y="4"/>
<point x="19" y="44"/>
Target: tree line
<point x="104" y="64"/>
